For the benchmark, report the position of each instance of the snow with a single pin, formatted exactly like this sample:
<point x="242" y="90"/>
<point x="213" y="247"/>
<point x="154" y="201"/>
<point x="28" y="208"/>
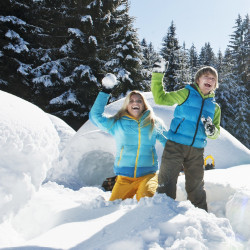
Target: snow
<point x="75" y="32"/>
<point x="24" y="68"/>
<point x="66" y="97"/>
<point x="87" y="18"/>
<point x="12" y="19"/>
<point x="92" y="39"/>
<point x="28" y="146"/>
<point x="39" y="151"/>
<point x="45" y="79"/>
<point x="109" y="81"/>
<point x="162" y="64"/>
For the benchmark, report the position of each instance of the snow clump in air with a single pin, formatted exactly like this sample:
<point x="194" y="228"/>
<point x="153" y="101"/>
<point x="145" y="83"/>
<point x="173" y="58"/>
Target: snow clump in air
<point x="109" y="81"/>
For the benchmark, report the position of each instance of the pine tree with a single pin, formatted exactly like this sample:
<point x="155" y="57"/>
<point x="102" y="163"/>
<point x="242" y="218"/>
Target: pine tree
<point x="206" y="56"/>
<point x="126" y="54"/>
<point x="225" y="95"/>
<point x="87" y="26"/>
<point x="16" y="47"/>
<point x="239" y="49"/>
<point x="183" y="73"/>
<point x="170" y="52"/>
<point x="219" y="62"/>
<point x="150" y="56"/>
<point x="50" y="65"/>
<point x="193" y="62"/>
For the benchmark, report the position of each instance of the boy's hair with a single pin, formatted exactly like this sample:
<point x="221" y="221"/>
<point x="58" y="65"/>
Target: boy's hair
<point x="207" y="69"/>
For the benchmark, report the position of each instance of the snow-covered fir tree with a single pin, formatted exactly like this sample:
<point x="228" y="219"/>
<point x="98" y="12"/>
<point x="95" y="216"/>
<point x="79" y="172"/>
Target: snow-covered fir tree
<point x="150" y="56"/>
<point x="183" y="73"/>
<point x="126" y="55"/>
<point x="170" y="52"/>
<point x="83" y="49"/>
<point x="207" y="56"/>
<point x="193" y="61"/>
<point x="240" y="51"/>
<point x="17" y="42"/>
<point x="225" y="93"/>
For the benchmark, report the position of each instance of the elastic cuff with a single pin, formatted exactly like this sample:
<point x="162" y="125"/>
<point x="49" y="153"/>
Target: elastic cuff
<point x="105" y="90"/>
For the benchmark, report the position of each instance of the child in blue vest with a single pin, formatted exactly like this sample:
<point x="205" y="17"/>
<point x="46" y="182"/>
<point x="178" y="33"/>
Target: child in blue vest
<point x="196" y="117"/>
<point x="135" y="129"/>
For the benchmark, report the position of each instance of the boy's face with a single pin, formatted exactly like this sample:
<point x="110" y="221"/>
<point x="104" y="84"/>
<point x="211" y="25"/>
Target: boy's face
<point x="206" y="83"/>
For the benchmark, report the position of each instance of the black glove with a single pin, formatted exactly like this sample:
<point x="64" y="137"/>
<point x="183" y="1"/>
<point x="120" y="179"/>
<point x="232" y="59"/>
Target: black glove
<point x="105" y="90"/>
<point x="108" y="83"/>
<point x="160" y="66"/>
<point x="208" y="125"/>
<point x="109" y="183"/>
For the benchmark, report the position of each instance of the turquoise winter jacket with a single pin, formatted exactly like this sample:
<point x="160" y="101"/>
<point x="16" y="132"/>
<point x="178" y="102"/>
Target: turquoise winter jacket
<point x="135" y="143"/>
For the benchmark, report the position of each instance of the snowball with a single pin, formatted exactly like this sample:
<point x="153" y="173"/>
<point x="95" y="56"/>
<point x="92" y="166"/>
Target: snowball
<point x="109" y="81"/>
<point x="161" y="66"/>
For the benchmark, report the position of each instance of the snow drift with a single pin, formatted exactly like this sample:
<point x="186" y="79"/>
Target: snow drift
<point x="28" y="147"/>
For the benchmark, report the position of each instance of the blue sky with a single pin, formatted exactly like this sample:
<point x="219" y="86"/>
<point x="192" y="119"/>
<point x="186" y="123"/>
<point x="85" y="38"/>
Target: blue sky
<point x="196" y="21"/>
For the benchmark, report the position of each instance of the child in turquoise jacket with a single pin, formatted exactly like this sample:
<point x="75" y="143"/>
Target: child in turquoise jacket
<point x="196" y="117"/>
<point x="135" y="129"/>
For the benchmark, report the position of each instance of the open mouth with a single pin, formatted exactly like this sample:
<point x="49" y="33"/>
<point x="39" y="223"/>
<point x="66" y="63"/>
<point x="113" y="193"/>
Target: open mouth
<point x="207" y="85"/>
<point x="135" y="108"/>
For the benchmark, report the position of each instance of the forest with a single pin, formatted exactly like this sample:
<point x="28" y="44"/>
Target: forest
<point x="54" y="53"/>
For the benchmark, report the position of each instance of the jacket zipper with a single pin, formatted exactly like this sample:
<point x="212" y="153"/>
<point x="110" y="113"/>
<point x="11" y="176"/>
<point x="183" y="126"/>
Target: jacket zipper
<point x="197" y="124"/>
<point x="153" y="156"/>
<point x="120" y="156"/>
<point x="138" y="149"/>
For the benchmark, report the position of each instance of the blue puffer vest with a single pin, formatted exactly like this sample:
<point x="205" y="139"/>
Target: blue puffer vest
<point x="186" y="127"/>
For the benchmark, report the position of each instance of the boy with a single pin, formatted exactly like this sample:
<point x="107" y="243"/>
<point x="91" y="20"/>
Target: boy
<point x="196" y="117"/>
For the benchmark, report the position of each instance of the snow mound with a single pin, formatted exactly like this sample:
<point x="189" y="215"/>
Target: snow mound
<point x="153" y="223"/>
<point x="28" y="146"/>
<point x="228" y="195"/>
<point x="89" y="156"/>
<point x="65" y="132"/>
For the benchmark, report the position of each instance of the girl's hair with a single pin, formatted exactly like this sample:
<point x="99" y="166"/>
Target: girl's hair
<point x="124" y="109"/>
<point x="207" y="69"/>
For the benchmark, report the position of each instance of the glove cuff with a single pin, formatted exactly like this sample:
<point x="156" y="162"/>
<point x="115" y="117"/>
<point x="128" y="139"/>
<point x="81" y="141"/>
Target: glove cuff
<point x="106" y="90"/>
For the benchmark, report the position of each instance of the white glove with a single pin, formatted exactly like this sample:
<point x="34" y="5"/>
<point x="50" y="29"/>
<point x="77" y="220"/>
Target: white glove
<point x="160" y="66"/>
<point x="208" y="125"/>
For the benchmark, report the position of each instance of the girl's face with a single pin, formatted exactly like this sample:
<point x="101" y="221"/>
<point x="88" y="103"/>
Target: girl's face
<point x="136" y="106"/>
<point x="207" y="83"/>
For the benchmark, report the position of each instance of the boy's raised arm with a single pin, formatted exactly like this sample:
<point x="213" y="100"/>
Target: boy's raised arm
<point x="166" y="98"/>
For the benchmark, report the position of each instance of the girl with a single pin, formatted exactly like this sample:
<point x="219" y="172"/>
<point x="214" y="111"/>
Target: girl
<point x="135" y="129"/>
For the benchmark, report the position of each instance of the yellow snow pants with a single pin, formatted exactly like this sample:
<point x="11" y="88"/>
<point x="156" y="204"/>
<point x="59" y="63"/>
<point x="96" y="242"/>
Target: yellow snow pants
<point x="126" y="187"/>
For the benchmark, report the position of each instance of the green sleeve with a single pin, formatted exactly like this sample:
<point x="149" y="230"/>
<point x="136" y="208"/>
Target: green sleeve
<point x="166" y="98"/>
<point x="216" y="122"/>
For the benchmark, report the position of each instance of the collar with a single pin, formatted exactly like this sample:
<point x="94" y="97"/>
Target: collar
<point x="142" y="117"/>
<point x="196" y="87"/>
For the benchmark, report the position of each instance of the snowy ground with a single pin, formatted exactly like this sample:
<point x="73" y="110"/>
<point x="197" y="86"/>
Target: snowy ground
<point x="37" y="212"/>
